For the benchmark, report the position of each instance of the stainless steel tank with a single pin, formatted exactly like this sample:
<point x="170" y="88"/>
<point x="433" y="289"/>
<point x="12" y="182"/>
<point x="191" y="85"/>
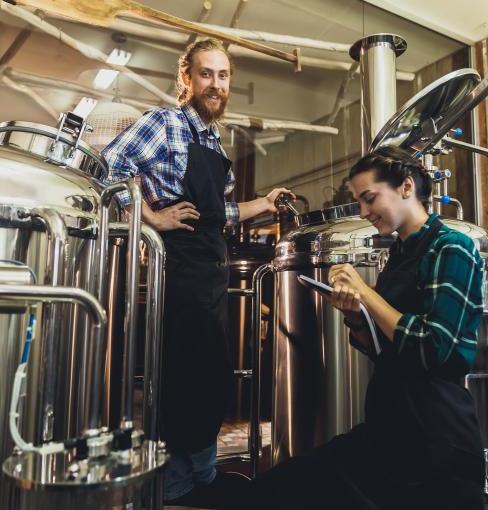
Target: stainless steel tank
<point x="105" y="482"/>
<point x="56" y="219"/>
<point x="319" y="381"/>
<point x="117" y="469"/>
<point x="48" y="217"/>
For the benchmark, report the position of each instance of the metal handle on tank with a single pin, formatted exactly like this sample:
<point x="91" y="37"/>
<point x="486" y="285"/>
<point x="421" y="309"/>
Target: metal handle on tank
<point x="154" y="323"/>
<point x="255" y="432"/>
<point x="131" y="289"/>
<point x="51" y="295"/>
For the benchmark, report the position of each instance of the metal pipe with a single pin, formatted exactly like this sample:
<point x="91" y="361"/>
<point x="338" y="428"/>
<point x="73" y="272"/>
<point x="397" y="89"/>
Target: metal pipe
<point x="241" y="292"/>
<point x="458" y="144"/>
<point x="57" y="239"/>
<point x="154" y="324"/>
<point x="51" y="295"/>
<point x="437" y="194"/>
<point x="255" y="429"/>
<point x="114" y="284"/>
<point x="377" y="55"/>
<point x="452" y="201"/>
<point x="50" y="345"/>
<point x="132" y="283"/>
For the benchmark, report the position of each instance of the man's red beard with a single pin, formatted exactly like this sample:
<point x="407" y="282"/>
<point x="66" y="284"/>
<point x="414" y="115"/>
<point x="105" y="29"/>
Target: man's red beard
<point x="208" y="109"/>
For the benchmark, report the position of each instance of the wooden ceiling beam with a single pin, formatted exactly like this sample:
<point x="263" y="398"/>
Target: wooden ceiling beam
<point x="15" y="47"/>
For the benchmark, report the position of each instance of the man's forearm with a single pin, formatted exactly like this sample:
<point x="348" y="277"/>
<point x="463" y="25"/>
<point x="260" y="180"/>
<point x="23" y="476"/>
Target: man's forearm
<point x="252" y="208"/>
<point x="147" y="214"/>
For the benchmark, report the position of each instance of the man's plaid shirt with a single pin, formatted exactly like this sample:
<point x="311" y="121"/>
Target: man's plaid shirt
<point x="155" y="148"/>
<point x="451" y="278"/>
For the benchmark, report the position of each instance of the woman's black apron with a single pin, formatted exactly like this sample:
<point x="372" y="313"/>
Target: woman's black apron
<point x="197" y="374"/>
<point x="420" y="446"/>
<point x="430" y="412"/>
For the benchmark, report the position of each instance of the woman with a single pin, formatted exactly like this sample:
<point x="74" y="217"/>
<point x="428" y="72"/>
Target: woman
<point x="419" y="447"/>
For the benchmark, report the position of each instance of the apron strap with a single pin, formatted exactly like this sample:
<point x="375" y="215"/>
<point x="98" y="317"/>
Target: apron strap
<point x="194" y="134"/>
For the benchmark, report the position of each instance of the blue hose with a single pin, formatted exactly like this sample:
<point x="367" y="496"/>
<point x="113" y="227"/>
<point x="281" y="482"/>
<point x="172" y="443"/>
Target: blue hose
<point x="29" y="335"/>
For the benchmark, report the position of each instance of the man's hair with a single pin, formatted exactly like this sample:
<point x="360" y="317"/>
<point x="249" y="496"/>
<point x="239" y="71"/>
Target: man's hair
<point x="186" y="61"/>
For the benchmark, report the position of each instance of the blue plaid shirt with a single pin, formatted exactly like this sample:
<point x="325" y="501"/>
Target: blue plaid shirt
<point x="155" y="148"/>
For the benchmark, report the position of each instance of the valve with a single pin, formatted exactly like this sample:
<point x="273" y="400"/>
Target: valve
<point x="456" y="132"/>
<point x="440" y="175"/>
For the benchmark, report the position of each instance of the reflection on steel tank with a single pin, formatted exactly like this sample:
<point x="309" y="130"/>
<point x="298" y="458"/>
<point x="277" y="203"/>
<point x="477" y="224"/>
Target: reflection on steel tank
<point x="45" y="204"/>
<point x="50" y="209"/>
<point x="47" y="217"/>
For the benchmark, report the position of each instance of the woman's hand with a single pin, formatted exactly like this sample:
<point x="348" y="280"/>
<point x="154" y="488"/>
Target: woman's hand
<point x="347" y="300"/>
<point x="345" y="275"/>
<point x="346" y="280"/>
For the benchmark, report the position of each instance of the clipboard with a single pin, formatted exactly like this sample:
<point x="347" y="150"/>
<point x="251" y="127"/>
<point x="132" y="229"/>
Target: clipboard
<point x="323" y="288"/>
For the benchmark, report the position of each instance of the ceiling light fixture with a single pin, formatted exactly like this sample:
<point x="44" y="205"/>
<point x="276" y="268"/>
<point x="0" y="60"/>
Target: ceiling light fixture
<point x="105" y="77"/>
<point x="85" y="106"/>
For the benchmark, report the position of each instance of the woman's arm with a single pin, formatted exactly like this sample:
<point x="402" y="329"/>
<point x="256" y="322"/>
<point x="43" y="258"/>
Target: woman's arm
<point x="344" y="278"/>
<point x="452" y="301"/>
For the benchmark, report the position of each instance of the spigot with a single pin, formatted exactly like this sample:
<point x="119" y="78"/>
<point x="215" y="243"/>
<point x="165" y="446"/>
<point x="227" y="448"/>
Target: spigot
<point x="285" y="201"/>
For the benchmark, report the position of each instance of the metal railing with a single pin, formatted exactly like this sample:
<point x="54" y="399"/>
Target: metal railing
<point x="153" y="323"/>
<point x="253" y="453"/>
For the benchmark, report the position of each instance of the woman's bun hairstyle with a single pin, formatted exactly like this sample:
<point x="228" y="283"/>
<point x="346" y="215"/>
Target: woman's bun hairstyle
<point x="393" y="165"/>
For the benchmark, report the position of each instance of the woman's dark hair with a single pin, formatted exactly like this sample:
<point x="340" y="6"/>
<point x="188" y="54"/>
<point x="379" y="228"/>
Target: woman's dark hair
<point x="392" y="165"/>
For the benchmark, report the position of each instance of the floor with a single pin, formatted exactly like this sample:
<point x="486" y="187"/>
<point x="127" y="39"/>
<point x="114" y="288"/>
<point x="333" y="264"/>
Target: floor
<point x="233" y="437"/>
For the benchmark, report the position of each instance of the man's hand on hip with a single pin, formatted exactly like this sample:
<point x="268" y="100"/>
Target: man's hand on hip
<point x="172" y="217"/>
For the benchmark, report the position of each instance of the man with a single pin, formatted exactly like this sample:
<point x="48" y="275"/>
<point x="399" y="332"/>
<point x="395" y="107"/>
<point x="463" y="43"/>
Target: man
<point x="185" y="175"/>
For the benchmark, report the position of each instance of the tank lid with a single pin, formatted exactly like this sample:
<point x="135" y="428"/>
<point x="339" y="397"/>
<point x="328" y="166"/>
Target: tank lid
<point x="64" y="147"/>
<point x="428" y="116"/>
<point x="333" y="241"/>
<point x="350" y="240"/>
<point x="330" y="213"/>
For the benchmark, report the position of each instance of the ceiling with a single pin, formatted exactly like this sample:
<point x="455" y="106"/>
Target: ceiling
<point x="464" y="21"/>
<point x="278" y="92"/>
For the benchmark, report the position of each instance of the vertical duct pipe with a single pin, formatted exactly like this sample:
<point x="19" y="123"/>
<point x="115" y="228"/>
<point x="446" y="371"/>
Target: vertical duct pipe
<point x="377" y="56"/>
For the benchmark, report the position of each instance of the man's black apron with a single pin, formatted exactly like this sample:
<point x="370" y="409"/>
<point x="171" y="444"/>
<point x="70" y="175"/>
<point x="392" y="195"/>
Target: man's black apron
<point x="420" y="445"/>
<point x="197" y="374"/>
